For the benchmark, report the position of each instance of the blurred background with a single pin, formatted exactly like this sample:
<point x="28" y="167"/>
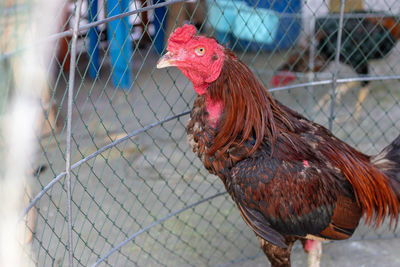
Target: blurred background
<point x="102" y="173"/>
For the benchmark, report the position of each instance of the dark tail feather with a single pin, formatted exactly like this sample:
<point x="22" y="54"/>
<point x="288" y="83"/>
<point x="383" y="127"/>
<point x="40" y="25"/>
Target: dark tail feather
<point x="388" y="161"/>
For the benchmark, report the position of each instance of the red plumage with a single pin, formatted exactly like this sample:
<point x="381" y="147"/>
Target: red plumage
<point x="290" y="178"/>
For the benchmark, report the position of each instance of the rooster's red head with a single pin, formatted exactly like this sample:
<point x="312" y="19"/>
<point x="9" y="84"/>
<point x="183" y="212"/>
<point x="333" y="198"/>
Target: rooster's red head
<point x="237" y="105"/>
<point x="198" y="57"/>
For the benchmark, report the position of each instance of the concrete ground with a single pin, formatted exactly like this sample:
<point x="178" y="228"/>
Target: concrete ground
<point x="347" y="254"/>
<point x="147" y="177"/>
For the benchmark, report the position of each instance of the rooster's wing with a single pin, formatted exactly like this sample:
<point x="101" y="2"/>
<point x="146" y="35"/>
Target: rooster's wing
<point x="298" y="198"/>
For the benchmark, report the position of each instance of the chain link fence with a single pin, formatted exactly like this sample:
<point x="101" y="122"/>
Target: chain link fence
<point x="122" y="187"/>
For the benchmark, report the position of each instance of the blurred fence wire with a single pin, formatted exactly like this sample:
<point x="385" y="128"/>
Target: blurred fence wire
<point x="122" y="186"/>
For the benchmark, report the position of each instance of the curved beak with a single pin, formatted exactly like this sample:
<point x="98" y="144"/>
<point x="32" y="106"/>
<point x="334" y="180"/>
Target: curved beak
<point x="165" y="61"/>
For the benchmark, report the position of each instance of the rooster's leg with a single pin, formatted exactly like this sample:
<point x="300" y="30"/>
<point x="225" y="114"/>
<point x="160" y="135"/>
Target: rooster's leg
<point x="340" y="91"/>
<point x="361" y="97"/>
<point x="314" y="250"/>
<point x="279" y="257"/>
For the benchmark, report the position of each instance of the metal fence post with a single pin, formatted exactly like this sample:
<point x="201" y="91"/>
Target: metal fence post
<point x="335" y="74"/>
<point x="311" y="74"/>
<point x="69" y="124"/>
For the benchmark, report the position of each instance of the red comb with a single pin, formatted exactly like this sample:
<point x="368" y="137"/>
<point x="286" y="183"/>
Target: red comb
<point x="183" y="34"/>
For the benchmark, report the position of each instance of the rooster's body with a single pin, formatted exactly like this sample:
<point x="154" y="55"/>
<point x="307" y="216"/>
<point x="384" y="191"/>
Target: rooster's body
<point x="290" y="178"/>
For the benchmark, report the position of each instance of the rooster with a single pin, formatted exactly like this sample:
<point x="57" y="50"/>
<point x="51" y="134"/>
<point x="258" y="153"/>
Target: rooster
<point x="365" y="36"/>
<point x="290" y="178"/>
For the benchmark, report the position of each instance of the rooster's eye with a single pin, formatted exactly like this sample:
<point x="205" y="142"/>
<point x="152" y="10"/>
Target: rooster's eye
<point x="200" y="51"/>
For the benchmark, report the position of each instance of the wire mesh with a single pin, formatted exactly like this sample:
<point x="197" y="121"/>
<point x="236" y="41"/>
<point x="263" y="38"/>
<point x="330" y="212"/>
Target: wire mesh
<point x="138" y="195"/>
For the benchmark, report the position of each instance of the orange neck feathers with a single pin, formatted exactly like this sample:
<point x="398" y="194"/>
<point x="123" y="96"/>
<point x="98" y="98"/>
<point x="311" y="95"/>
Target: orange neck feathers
<point x="248" y="108"/>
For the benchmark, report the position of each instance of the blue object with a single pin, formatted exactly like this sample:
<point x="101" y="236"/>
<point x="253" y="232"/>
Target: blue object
<point x="289" y="23"/>
<point x="118" y="35"/>
<point x="258" y="25"/>
<point x="221" y="16"/>
<point x="255" y="24"/>
<point x="93" y="40"/>
<point x="160" y="18"/>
